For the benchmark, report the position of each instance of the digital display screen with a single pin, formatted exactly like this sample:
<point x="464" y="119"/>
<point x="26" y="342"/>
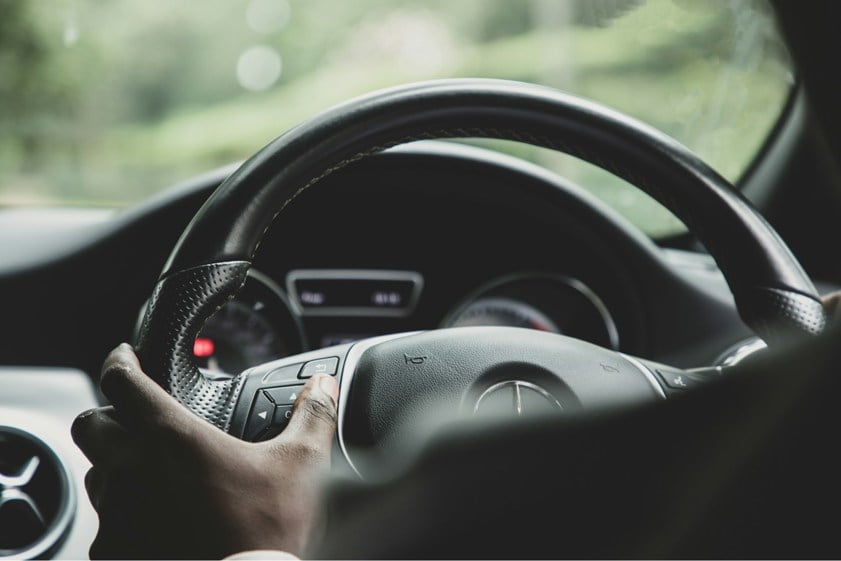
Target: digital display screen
<point x="353" y="293"/>
<point x="349" y="292"/>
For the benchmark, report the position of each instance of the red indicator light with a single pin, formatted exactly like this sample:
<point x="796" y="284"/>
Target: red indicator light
<point x="203" y="347"/>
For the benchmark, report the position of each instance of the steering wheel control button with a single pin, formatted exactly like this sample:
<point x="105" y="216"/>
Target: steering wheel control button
<point x="679" y="380"/>
<point x="321" y="366"/>
<point x="675" y="379"/>
<point x="282" y="414"/>
<point x="282" y="374"/>
<point x="285" y="395"/>
<point x="260" y="418"/>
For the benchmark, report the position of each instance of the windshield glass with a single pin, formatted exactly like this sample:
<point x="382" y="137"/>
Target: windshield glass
<point x="105" y="103"/>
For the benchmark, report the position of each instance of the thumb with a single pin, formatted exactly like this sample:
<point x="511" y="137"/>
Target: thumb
<point x="832" y="305"/>
<point x="314" y="413"/>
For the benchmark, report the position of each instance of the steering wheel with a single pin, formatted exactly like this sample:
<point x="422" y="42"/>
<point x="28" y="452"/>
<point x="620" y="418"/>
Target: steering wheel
<point x="459" y="368"/>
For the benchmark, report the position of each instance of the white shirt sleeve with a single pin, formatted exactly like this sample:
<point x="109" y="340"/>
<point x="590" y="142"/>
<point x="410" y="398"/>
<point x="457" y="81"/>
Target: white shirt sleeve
<point x="258" y="554"/>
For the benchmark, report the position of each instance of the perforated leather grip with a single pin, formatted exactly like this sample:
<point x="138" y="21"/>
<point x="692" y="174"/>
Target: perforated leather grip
<point x="773" y="294"/>
<point x="780" y="313"/>
<point x="179" y="306"/>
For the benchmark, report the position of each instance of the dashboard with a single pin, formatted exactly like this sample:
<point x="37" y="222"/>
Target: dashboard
<point x="425" y="236"/>
<point x="419" y="237"/>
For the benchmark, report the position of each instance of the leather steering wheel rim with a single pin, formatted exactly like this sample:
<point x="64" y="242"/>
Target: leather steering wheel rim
<point x="209" y="263"/>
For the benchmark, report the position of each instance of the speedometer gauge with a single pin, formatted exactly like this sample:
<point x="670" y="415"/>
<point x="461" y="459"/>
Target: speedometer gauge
<point x="503" y="312"/>
<point x="256" y="326"/>
<point x="237" y="337"/>
<point x="546" y="302"/>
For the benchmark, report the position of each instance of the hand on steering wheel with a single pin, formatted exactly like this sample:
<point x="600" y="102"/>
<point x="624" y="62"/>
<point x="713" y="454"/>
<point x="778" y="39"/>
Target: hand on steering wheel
<point x="167" y="484"/>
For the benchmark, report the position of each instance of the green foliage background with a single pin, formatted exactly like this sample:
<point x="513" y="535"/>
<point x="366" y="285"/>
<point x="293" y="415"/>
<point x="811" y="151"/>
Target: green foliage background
<point x="106" y="102"/>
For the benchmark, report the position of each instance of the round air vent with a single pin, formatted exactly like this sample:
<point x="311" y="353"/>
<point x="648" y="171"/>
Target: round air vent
<point x="36" y="497"/>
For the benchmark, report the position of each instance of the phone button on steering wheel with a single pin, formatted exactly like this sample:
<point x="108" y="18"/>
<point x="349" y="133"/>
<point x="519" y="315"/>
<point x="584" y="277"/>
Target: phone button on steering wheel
<point x="260" y="417"/>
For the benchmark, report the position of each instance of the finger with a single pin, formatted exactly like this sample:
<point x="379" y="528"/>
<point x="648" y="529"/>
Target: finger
<point x="832" y="305"/>
<point x="94" y="482"/>
<point x="100" y="437"/>
<point x="139" y="401"/>
<point x="314" y="413"/>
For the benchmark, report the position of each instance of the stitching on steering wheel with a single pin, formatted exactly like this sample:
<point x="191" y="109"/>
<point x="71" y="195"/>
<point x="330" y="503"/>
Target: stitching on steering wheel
<point x="500" y="134"/>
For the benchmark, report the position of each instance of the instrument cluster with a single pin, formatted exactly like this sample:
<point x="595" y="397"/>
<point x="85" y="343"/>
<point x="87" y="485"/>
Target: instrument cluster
<point x="267" y="321"/>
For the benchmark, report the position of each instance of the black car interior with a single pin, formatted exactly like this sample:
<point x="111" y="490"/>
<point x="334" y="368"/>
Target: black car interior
<point x="369" y="224"/>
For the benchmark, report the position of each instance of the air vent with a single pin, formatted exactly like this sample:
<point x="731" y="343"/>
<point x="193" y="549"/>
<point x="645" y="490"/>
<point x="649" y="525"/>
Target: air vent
<point x="36" y="499"/>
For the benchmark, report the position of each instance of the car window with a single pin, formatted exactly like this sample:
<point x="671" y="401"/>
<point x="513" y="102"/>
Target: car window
<point x="103" y="103"/>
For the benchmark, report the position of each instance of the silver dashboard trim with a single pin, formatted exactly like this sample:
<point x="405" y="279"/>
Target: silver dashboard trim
<point x="61" y="525"/>
<point x="23" y="477"/>
<point x="43" y="402"/>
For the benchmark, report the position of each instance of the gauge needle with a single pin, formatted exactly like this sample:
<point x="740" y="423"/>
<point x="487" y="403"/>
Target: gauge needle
<point x="518" y="401"/>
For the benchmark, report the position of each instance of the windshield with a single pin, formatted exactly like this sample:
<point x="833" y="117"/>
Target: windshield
<point x="105" y="103"/>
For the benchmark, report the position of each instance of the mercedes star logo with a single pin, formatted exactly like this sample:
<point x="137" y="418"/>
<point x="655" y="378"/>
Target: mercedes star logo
<point x="517" y="396"/>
